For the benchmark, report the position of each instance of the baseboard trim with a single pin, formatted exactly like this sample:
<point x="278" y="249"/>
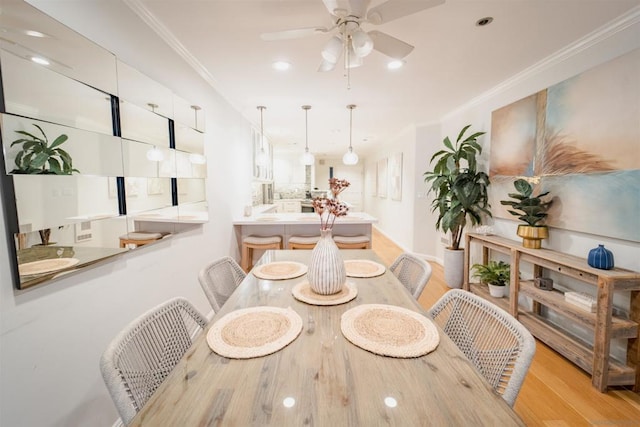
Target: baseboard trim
<point x="404" y="249"/>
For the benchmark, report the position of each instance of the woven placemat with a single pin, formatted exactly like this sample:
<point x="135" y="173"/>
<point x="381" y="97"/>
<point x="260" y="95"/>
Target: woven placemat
<point x="303" y="292"/>
<point x="46" y="266"/>
<point x="389" y="330"/>
<point x="279" y="270"/>
<point x="363" y="268"/>
<point x="254" y="332"/>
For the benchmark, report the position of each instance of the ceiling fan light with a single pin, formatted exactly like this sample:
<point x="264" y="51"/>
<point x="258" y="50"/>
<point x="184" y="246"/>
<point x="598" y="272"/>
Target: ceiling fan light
<point x="332" y="50"/>
<point x="350" y="158"/>
<point x="362" y="43"/>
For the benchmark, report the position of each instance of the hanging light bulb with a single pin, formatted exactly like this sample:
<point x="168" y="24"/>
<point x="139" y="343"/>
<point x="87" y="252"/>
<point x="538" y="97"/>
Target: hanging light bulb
<point x="362" y="43"/>
<point x="307" y="158"/>
<point x="263" y="158"/>
<point x="353" y="60"/>
<point x="350" y="157"/>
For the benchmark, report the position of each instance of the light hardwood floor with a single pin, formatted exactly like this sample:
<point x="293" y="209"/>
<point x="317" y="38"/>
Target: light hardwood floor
<point x="555" y="392"/>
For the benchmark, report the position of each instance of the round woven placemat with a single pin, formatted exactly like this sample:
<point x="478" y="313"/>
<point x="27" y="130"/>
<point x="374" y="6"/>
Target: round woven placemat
<point x="363" y="268"/>
<point x="254" y="332"/>
<point x="389" y="330"/>
<point x="303" y="292"/>
<point x="279" y="270"/>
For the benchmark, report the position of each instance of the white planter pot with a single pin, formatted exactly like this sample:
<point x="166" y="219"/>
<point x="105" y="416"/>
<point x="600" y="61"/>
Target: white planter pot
<point x="453" y="267"/>
<point x="497" y="291"/>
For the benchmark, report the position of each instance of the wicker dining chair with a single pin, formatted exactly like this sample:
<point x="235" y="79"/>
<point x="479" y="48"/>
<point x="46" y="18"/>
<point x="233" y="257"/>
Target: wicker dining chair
<point x="499" y="346"/>
<point x="219" y="279"/>
<point x="143" y="354"/>
<point x="412" y="272"/>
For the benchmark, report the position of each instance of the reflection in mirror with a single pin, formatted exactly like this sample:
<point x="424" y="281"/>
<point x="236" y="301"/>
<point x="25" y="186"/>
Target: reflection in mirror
<point x="187" y="114"/>
<point x="67" y="248"/>
<point x="161" y="221"/>
<point x="34" y="91"/>
<point x="188" y="139"/>
<point x="91" y="153"/>
<point x="47" y="201"/>
<point x="140" y="90"/>
<point x="139" y="124"/>
<point x="146" y="194"/>
<point x="28" y="33"/>
<point x="145" y="160"/>
<point x="194" y="212"/>
<point x="190" y="165"/>
<point x="191" y="190"/>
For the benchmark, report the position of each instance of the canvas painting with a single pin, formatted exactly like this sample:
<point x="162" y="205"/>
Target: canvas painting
<point x="579" y="140"/>
<point x="382" y="178"/>
<point x="395" y="176"/>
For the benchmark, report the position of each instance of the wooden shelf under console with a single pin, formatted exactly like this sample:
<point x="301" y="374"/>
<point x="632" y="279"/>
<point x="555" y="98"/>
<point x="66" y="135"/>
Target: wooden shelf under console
<point x="593" y="358"/>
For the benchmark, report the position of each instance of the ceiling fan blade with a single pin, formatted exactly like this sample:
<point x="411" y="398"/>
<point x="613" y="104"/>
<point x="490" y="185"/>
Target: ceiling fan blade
<point x="293" y="34"/>
<point x="326" y="66"/>
<point x="359" y="7"/>
<point x="337" y="8"/>
<point x="390" y="46"/>
<point x="394" y="9"/>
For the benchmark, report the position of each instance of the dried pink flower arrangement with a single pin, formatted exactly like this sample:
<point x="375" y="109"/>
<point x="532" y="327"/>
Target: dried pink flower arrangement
<point x="330" y="209"/>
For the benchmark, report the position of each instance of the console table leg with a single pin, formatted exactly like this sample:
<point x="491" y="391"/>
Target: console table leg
<point x="602" y="338"/>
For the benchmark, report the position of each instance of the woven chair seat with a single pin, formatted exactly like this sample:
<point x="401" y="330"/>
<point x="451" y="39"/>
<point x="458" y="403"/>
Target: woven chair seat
<point x="304" y="240"/>
<point x="141" y="235"/>
<point x="250" y="243"/>
<point x="412" y="272"/>
<point x="259" y="240"/>
<point x="352" y="242"/>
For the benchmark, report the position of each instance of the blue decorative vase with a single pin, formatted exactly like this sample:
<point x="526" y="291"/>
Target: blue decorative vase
<point x="601" y="258"/>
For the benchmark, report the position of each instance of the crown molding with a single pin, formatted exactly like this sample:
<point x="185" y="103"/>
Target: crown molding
<point x="632" y="17"/>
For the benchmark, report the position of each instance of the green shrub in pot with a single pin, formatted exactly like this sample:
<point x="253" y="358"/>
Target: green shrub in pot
<point x="532" y="210"/>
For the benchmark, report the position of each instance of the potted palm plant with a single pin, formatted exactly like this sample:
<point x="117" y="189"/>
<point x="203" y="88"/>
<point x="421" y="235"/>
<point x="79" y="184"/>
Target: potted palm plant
<point x="495" y="274"/>
<point x="460" y="196"/>
<point x="530" y="209"/>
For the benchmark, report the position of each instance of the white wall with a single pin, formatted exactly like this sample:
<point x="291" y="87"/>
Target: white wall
<point x="52" y="336"/>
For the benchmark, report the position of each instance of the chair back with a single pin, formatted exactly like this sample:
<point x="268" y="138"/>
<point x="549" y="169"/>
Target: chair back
<point x="412" y="272"/>
<point x="143" y="354"/>
<point x="219" y="279"/>
<point x="499" y="346"/>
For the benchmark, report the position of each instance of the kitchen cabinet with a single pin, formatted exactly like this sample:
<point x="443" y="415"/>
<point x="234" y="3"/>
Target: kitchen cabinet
<point x="603" y="325"/>
<point x="288" y="206"/>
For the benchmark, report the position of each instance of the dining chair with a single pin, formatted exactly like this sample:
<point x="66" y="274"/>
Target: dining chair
<point x="219" y="279"/>
<point x="143" y="354"/>
<point x="499" y="346"/>
<point x="412" y="272"/>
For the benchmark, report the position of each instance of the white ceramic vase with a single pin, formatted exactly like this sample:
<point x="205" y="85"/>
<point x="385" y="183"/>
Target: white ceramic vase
<point x="326" y="273"/>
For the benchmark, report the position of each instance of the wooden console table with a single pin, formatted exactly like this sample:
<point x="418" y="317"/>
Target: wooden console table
<point x="595" y="359"/>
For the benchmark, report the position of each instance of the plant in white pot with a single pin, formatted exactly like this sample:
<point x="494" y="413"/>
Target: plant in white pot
<point x="495" y="274"/>
<point x="460" y="196"/>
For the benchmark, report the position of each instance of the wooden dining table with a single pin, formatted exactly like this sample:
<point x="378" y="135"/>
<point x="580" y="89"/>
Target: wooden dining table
<point x="321" y="378"/>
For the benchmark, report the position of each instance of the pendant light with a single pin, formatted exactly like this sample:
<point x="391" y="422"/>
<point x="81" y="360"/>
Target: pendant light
<point x="263" y="158"/>
<point x="307" y="158"/>
<point x="350" y="158"/>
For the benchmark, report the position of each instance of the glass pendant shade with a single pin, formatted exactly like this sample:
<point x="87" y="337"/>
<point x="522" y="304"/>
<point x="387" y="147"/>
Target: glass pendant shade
<point x="307" y="158"/>
<point x="350" y="158"/>
<point x="155" y="155"/>
<point x="353" y="60"/>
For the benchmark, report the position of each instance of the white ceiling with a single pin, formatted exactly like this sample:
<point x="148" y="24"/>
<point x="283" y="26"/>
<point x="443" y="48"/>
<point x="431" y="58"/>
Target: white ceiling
<point x="453" y="61"/>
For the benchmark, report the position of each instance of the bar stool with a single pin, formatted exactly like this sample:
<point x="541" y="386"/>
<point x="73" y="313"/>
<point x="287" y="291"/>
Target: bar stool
<point x="138" y="238"/>
<point x="353" y="242"/>
<point x="250" y="243"/>
<point x="303" y="242"/>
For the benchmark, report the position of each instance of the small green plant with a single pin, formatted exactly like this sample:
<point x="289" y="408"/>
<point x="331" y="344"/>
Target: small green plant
<point x="37" y="156"/>
<point x="495" y="273"/>
<point x="530" y="209"/>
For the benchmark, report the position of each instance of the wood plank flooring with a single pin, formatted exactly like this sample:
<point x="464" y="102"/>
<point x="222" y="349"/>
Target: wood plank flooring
<point x="555" y="393"/>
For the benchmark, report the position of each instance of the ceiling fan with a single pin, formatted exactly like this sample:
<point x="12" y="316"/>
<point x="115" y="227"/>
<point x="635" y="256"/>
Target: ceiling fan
<point x="350" y="39"/>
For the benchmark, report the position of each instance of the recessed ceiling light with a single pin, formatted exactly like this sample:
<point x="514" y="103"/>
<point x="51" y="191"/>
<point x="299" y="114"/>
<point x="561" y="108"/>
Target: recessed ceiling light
<point x="33" y="33"/>
<point x="394" y="65"/>
<point x="484" y="21"/>
<point x="39" y="60"/>
<point x="281" y="65"/>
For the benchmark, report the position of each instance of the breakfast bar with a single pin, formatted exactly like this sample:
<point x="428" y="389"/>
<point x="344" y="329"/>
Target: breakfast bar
<point x="300" y="224"/>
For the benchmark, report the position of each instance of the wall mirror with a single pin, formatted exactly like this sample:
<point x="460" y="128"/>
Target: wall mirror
<point x="134" y="149"/>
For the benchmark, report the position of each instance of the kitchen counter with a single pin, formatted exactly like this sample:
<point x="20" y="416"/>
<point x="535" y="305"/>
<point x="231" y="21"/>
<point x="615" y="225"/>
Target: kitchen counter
<point x="300" y="224"/>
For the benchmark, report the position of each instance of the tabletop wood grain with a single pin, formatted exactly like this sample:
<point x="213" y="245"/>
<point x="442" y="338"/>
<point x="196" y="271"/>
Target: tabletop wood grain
<point x="321" y="379"/>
